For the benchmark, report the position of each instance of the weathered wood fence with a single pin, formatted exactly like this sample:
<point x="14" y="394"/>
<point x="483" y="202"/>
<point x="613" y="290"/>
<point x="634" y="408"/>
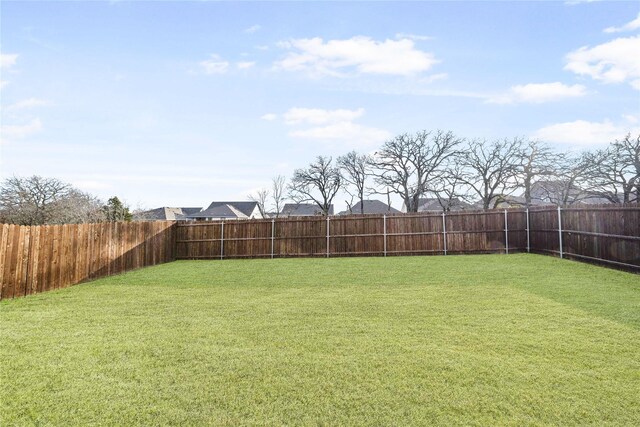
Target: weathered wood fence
<point x="608" y="234"/>
<point x="605" y="234"/>
<point x="459" y="232"/>
<point x="40" y="258"/>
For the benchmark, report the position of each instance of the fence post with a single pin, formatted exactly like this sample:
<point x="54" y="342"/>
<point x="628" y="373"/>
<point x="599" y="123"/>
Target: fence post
<point x="444" y="233"/>
<point x="560" y="230"/>
<point x="222" y="239"/>
<point x="506" y="232"/>
<point x="273" y="228"/>
<point x="327" y="236"/>
<point x="528" y="239"/>
<point x="384" y="231"/>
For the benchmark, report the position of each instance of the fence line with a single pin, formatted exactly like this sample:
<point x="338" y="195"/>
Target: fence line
<point x="39" y="258"/>
<point x="604" y="234"/>
<point x="383" y="235"/>
<point x="35" y="259"/>
<point x="591" y="233"/>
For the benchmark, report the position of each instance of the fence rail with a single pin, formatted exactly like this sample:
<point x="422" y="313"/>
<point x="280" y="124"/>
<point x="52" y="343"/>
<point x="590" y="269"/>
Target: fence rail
<point x="40" y="258"/>
<point x="607" y="234"/>
<point x="380" y="235"/>
<point x="35" y="259"/>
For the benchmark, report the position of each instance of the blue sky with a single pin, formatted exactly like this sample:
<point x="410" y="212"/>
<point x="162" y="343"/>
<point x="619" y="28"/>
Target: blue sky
<point x="182" y="103"/>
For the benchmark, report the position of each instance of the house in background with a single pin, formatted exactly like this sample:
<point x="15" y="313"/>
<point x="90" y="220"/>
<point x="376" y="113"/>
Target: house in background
<point x="302" y="209"/>
<point x="370" y="207"/>
<point x="227" y="210"/>
<point x="165" y="214"/>
<point x="505" y="201"/>
<point x="433" y="204"/>
<point x="562" y="193"/>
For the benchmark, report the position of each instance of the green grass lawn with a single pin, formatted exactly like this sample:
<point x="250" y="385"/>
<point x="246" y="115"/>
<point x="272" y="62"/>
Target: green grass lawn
<point x="474" y="340"/>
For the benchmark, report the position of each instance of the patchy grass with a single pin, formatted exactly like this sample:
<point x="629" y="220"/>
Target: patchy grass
<point x="490" y="339"/>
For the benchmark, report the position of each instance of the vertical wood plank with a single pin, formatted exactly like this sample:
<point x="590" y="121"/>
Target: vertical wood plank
<point x="4" y="245"/>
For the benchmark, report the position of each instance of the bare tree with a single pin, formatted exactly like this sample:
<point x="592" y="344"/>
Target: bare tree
<point x="449" y="189"/>
<point x="356" y="168"/>
<point x="260" y="197"/>
<point x="278" y="186"/>
<point x="76" y="207"/>
<point x="571" y="180"/>
<point x="490" y="169"/>
<point x="616" y="171"/>
<point x="535" y="161"/>
<point x="30" y="201"/>
<point x="319" y="183"/>
<point x="407" y="164"/>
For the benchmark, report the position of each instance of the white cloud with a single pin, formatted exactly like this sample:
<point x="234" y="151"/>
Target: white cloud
<point x="434" y="78"/>
<point x="27" y="103"/>
<point x="252" y="29"/>
<point x="11" y="132"/>
<point x="616" y="61"/>
<point x="317" y="116"/>
<point x="3" y="83"/>
<point x="262" y="47"/>
<point x="333" y="127"/>
<point x="351" y="134"/>
<point x="629" y="26"/>
<point x="537" y="93"/>
<point x="575" y="2"/>
<point x="214" y="65"/>
<point x="8" y="60"/>
<point x="269" y="117"/>
<point x="584" y="133"/>
<point x="413" y="37"/>
<point x="361" y="55"/>
<point x="245" y="65"/>
<point x="631" y="118"/>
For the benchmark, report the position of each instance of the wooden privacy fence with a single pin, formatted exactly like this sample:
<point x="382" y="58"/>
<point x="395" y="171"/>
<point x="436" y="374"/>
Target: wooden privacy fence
<point x="605" y="234"/>
<point x="39" y="258"/>
<point x="456" y="232"/>
<point x="608" y="234"/>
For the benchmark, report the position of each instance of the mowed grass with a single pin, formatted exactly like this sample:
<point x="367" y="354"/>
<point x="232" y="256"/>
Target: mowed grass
<point x="475" y="340"/>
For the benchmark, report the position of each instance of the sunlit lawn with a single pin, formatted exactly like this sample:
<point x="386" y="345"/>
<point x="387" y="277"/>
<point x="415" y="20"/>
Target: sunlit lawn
<point x="489" y="339"/>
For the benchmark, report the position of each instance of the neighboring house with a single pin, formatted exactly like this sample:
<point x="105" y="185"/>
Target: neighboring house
<point x="303" y="209"/>
<point x="562" y="193"/>
<point x="165" y="214"/>
<point x="505" y="201"/>
<point x="227" y="210"/>
<point x="432" y="204"/>
<point x="370" y="207"/>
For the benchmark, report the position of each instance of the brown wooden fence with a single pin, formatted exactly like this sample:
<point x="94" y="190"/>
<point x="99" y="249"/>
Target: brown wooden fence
<point x="40" y="258"/>
<point x="608" y="234"/>
<point x="457" y="232"/>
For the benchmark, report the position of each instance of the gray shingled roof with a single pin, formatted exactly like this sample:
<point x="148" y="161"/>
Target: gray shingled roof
<point x="165" y="214"/>
<point x="303" y="209"/>
<point x="429" y="204"/>
<point x="189" y="211"/>
<point x="220" y="211"/>
<point x="246" y="208"/>
<point x="370" y="207"/>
